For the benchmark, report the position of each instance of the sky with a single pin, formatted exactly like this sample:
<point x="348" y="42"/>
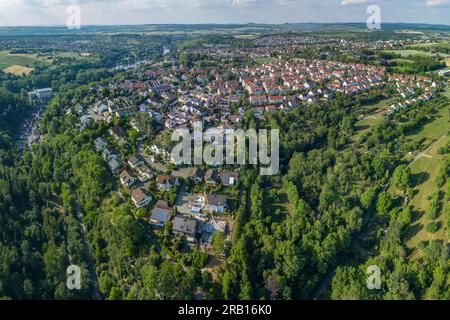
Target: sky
<point x="121" y="12"/>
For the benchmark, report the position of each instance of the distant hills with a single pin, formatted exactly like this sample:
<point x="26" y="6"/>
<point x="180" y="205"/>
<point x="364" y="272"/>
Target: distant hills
<point x="62" y="30"/>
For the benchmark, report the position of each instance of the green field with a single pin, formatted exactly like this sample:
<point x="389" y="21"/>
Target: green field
<point x="377" y="111"/>
<point x="411" y="52"/>
<point x="424" y="171"/>
<point x="435" y="129"/>
<point x="25" y="60"/>
<point x="246" y="36"/>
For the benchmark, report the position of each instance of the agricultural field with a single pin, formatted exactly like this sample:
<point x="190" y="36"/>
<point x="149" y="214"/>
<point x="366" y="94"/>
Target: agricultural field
<point x="246" y="36"/>
<point x="18" y="70"/>
<point x="18" y="63"/>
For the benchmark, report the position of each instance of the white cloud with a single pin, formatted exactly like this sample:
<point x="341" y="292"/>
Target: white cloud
<point x="11" y="4"/>
<point x="349" y="2"/>
<point x="435" y="3"/>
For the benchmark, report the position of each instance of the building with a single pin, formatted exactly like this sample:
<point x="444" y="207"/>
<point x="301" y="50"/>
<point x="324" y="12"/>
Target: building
<point x="161" y="214"/>
<point x="100" y="144"/>
<point x="211" y="177"/>
<point x="196" y="203"/>
<point x="197" y="175"/>
<point x="229" y="179"/>
<point x="127" y="179"/>
<point x="135" y="162"/>
<point x="141" y="198"/>
<point x="40" y="94"/>
<point x="444" y="73"/>
<point x="114" y="164"/>
<point x="215" y="203"/>
<point x="144" y="173"/>
<point x="185" y="227"/>
<point x="165" y="182"/>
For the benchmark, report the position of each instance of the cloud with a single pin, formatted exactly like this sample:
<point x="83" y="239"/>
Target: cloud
<point x="436" y="3"/>
<point x="350" y="2"/>
<point x="11" y="4"/>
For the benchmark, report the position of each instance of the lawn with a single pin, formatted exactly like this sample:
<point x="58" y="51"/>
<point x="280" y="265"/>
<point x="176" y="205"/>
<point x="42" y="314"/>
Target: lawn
<point x="410" y="52"/>
<point x="424" y="172"/>
<point x="377" y="115"/>
<point x="246" y="36"/>
<point x="435" y="129"/>
<point x="265" y="59"/>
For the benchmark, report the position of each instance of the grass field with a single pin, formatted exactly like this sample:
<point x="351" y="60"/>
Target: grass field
<point x="425" y="171"/>
<point x="265" y="60"/>
<point x="18" y="70"/>
<point x="377" y="115"/>
<point x="435" y="129"/>
<point x="411" y="52"/>
<point x="18" y="63"/>
<point x="246" y="36"/>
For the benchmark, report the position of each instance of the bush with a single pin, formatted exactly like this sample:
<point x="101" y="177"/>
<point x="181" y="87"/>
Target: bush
<point x="433" y="226"/>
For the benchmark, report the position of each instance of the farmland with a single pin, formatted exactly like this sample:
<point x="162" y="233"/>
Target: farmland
<point x="18" y="63"/>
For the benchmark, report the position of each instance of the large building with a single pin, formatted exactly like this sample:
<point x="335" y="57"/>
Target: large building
<point x="40" y="94"/>
<point x="444" y="73"/>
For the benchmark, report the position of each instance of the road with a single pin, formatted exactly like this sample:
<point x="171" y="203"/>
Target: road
<point x="87" y="249"/>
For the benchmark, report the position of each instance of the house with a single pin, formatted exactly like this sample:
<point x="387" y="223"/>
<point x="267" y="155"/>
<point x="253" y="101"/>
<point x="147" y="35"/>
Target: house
<point x="229" y="179"/>
<point x="114" y="164"/>
<point x="165" y="182"/>
<point x="135" y="162"/>
<point x="196" y="203"/>
<point x="185" y="227"/>
<point x="161" y="214"/>
<point x="117" y="132"/>
<point x="211" y="177"/>
<point x="215" y="203"/>
<point x="144" y="173"/>
<point x="127" y="179"/>
<point x="141" y="198"/>
<point x="197" y="175"/>
<point x="100" y="144"/>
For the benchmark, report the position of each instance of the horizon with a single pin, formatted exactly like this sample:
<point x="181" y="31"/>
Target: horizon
<point x="220" y="24"/>
<point x="28" y="13"/>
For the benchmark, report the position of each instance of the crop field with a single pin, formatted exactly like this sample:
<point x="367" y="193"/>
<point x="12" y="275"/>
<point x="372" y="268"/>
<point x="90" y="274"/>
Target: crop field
<point x="17" y="63"/>
<point x="18" y="70"/>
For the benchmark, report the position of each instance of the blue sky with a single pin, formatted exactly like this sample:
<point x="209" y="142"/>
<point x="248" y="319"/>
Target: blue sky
<point x="54" y="12"/>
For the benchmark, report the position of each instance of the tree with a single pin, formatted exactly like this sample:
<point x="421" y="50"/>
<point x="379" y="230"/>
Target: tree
<point x="401" y="178"/>
<point x="219" y="242"/>
<point x="405" y="215"/>
<point x="384" y="203"/>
